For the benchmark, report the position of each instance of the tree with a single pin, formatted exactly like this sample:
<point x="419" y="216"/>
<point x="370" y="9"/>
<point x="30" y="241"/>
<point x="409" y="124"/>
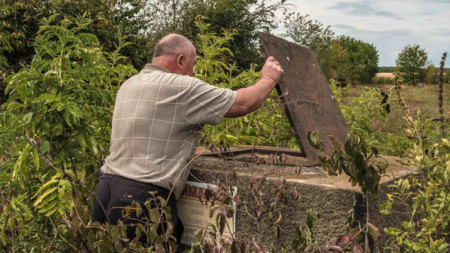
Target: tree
<point x="311" y="34"/>
<point x="340" y="58"/>
<point x="430" y="73"/>
<point x="19" y="27"/>
<point x="411" y="61"/>
<point x="243" y="17"/>
<point x="16" y="30"/>
<point x="362" y="59"/>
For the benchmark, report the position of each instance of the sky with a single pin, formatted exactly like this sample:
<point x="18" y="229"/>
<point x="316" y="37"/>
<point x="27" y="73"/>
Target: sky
<point x="389" y="25"/>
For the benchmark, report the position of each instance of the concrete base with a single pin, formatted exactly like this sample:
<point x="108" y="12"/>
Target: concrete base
<point x="331" y="196"/>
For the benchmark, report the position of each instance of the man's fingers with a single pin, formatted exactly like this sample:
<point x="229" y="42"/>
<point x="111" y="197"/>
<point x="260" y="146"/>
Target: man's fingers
<point x="270" y="59"/>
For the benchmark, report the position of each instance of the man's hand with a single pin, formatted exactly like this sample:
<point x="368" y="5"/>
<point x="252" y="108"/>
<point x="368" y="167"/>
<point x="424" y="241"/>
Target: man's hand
<point x="271" y="70"/>
<point x="251" y="98"/>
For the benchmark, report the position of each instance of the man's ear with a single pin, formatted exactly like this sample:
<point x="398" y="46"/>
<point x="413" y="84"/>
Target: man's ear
<point x="180" y="59"/>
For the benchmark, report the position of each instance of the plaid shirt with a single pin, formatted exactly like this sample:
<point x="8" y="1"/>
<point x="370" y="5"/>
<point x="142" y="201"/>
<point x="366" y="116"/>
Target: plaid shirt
<point x="156" y="125"/>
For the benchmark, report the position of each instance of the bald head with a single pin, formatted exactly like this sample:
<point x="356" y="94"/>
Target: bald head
<point x="175" y="53"/>
<point x="172" y="44"/>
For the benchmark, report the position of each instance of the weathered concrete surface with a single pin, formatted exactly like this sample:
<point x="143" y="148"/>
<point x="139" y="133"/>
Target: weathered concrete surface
<point x="331" y="196"/>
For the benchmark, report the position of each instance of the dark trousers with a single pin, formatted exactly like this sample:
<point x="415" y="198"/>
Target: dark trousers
<point x="113" y="193"/>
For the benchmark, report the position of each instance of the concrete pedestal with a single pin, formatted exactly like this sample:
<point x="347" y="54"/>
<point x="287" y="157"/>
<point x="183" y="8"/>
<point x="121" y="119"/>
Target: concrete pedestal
<point x="331" y="196"/>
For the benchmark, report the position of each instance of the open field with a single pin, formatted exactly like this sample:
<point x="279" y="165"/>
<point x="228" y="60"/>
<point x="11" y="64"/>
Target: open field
<point x="424" y="98"/>
<point x="385" y="75"/>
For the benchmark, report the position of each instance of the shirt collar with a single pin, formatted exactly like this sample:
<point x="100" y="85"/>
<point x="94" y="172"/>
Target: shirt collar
<point x="153" y="67"/>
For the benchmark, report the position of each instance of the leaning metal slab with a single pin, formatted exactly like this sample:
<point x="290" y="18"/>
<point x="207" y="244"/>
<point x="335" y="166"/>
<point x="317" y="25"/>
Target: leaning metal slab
<point x="308" y="99"/>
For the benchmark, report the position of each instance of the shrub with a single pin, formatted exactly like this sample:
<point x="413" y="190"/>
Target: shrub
<point x="54" y="129"/>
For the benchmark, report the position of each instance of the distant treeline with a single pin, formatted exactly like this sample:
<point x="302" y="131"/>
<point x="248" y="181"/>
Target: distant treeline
<point x="390" y="69"/>
<point x="386" y="69"/>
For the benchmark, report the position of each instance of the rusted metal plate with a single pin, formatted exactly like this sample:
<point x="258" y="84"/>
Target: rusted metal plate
<point x="303" y="88"/>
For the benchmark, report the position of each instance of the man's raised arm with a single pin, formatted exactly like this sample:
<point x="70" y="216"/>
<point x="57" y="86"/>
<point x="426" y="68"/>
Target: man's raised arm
<point x="251" y="98"/>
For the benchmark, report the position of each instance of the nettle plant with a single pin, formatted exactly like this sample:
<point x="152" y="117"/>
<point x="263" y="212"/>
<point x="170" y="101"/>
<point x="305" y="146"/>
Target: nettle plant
<point x="54" y="130"/>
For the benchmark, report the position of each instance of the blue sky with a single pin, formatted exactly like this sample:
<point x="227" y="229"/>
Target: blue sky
<point x="389" y="25"/>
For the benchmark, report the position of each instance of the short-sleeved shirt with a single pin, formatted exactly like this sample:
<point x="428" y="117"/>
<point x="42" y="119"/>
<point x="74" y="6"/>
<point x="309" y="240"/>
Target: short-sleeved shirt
<point x="156" y="125"/>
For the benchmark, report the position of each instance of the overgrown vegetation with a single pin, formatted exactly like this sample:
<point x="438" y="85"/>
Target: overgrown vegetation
<point x="427" y="228"/>
<point x="55" y="127"/>
<point x="54" y="131"/>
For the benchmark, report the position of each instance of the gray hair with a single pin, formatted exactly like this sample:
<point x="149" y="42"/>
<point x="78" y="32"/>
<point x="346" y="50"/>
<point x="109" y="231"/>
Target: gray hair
<point x="171" y="44"/>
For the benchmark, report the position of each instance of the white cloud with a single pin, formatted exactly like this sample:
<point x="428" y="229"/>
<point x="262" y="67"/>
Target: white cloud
<point x="388" y="24"/>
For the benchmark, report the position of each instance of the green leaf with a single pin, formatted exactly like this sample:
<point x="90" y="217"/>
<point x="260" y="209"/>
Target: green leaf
<point x="348" y="148"/>
<point x="52" y="211"/>
<point x="82" y="142"/>
<point x="20" y="162"/>
<point x="359" y="161"/>
<point x="66" y="117"/>
<point x="277" y="231"/>
<point x="3" y="237"/>
<point x="47" y="200"/>
<point x="93" y="144"/>
<point x="27" y="118"/>
<point x="39" y="200"/>
<point x="65" y="184"/>
<point x="53" y="180"/>
<point x="14" y="106"/>
<point x="314" y="139"/>
<point x="50" y="205"/>
<point x="36" y="159"/>
<point x="44" y="147"/>
<point x="373" y="232"/>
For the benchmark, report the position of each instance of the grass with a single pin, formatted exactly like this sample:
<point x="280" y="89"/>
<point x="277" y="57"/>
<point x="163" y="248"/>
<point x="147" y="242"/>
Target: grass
<point x="423" y="98"/>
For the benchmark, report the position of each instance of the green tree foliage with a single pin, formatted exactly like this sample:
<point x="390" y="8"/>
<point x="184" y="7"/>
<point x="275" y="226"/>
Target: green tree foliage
<point x="340" y="58"/>
<point x="313" y="35"/>
<point x="20" y="19"/>
<point x="411" y="62"/>
<point x="430" y="73"/>
<point x="244" y="17"/>
<point x="109" y="17"/>
<point x="361" y="60"/>
<point x="16" y="30"/>
<point x="54" y="129"/>
<point x="387" y="69"/>
<point x="309" y="33"/>
<point x="142" y="22"/>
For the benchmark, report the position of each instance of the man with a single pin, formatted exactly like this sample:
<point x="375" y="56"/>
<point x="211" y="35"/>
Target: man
<point x="156" y="126"/>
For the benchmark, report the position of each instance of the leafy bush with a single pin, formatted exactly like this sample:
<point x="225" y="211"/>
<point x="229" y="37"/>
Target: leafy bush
<point x="428" y="226"/>
<point x="55" y="128"/>
<point x="267" y="126"/>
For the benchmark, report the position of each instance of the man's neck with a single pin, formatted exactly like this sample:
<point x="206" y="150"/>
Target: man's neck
<point x="165" y="63"/>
